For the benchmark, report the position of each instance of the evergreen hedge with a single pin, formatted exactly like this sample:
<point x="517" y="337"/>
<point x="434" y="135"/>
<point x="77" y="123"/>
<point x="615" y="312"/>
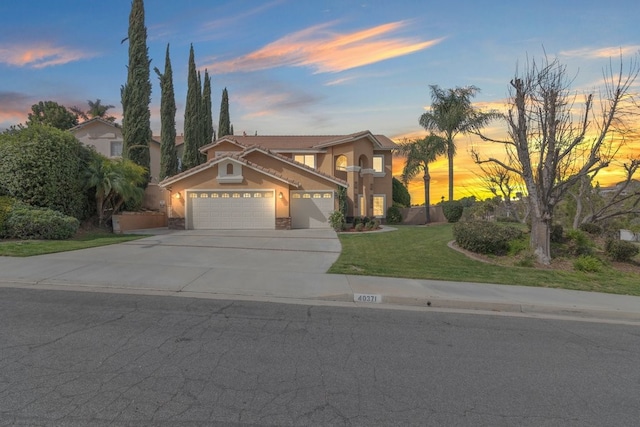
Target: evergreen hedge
<point x="43" y="166"/>
<point x="26" y="222"/>
<point x="485" y="237"/>
<point x="620" y="250"/>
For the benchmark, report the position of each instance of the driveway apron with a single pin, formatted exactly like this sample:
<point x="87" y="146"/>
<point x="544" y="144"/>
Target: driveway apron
<point x="237" y="262"/>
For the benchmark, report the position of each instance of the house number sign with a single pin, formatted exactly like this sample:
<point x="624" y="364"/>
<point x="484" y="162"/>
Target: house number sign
<point x="371" y="298"/>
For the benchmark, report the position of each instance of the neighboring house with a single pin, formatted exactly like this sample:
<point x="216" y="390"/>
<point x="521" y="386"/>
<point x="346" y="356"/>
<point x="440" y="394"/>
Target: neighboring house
<point x="282" y="182"/>
<point x="106" y="138"/>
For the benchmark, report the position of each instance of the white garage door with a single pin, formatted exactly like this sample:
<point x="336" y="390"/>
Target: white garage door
<point x="246" y="209"/>
<point x="311" y="209"/>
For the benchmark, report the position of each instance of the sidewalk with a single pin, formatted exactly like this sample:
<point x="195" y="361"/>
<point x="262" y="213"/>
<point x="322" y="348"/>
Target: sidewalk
<point x="61" y="274"/>
<point x="500" y="298"/>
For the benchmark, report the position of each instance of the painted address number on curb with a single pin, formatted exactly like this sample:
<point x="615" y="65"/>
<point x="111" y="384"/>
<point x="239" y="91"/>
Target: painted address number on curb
<point x="373" y="298"/>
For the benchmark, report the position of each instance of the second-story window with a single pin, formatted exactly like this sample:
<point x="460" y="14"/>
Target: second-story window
<point x="306" y="159"/>
<point x="378" y="164"/>
<point x="116" y="149"/>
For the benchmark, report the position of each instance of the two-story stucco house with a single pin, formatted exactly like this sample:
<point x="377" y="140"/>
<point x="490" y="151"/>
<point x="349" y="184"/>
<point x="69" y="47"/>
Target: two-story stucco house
<point x="280" y="182"/>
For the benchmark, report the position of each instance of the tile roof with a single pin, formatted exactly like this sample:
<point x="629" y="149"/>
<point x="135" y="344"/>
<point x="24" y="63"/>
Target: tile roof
<point x="239" y="156"/>
<point x="293" y="162"/>
<point x="236" y="157"/>
<point x="301" y="142"/>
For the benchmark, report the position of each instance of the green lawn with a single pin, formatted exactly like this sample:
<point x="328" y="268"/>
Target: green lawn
<point x="24" y="248"/>
<point x="422" y="253"/>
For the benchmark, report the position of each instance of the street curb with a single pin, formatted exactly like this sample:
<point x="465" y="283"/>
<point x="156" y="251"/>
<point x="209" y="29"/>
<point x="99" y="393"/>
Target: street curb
<point x="503" y="307"/>
<point x="347" y="299"/>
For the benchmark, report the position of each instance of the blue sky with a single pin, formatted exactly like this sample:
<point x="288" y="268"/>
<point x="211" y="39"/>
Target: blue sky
<point x="306" y="67"/>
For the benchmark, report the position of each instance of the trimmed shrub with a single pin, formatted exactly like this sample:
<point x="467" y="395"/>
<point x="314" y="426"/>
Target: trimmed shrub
<point x="591" y="228"/>
<point x="452" y="210"/>
<point x="620" y="250"/>
<point x="359" y="226"/>
<point x="25" y="222"/>
<point x="393" y="215"/>
<point x="485" y="237"/>
<point x="588" y="264"/>
<point x="361" y="220"/>
<point x="336" y="220"/>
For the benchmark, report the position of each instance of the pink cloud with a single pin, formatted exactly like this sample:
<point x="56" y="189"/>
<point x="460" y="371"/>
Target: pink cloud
<point x="327" y="52"/>
<point x="40" y="55"/>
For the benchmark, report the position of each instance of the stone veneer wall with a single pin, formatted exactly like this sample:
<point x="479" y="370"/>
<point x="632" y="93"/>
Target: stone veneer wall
<point x="176" y="223"/>
<point x="283" y="223"/>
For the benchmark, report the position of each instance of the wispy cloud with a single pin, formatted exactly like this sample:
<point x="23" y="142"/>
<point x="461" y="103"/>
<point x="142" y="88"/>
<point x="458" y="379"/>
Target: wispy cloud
<point x="599" y="53"/>
<point x="327" y="52"/>
<point x="275" y="100"/>
<point x="339" y="81"/>
<point x="40" y="55"/>
<point x="228" y="21"/>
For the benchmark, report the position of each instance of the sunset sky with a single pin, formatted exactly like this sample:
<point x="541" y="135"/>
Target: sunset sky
<point x="313" y="67"/>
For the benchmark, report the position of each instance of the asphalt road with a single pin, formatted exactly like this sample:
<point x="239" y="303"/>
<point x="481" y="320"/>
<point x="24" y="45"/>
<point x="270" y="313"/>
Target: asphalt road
<point x="78" y="358"/>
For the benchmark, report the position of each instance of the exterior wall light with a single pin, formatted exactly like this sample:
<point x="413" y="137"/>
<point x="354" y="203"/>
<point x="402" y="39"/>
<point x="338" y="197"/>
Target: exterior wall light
<point x="280" y="195"/>
<point x="177" y="195"/>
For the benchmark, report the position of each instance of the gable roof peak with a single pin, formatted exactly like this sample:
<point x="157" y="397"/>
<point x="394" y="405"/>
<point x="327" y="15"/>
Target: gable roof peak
<point x="95" y="120"/>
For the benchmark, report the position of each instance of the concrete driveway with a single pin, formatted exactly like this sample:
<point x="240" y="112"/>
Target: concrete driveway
<point x="236" y="262"/>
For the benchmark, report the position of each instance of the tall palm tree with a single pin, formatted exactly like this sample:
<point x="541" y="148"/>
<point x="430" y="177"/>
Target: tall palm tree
<point x="419" y="154"/>
<point x="452" y="113"/>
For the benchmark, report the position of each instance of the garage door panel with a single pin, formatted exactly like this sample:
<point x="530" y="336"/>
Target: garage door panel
<point x="311" y="209"/>
<point x="231" y="210"/>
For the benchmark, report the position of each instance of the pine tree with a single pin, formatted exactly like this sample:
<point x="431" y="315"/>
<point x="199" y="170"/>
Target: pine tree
<point x="209" y="135"/>
<point x="136" y="93"/>
<point x="192" y="129"/>
<point x="224" y="125"/>
<point x="168" y="153"/>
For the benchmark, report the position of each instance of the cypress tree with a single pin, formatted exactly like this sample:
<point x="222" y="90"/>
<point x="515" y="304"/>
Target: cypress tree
<point x="209" y="135"/>
<point x="224" y="125"/>
<point x="168" y="153"/>
<point x="136" y="93"/>
<point x="201" y="122"/>
<point x="192" y="130"/>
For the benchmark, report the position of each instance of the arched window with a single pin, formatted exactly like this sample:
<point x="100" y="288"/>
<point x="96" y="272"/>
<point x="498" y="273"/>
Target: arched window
<point x="341" y="163"/>
<point x="229" y="168"/>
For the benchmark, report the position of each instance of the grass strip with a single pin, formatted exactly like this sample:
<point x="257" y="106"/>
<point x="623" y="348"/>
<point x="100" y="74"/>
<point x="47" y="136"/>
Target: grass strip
<point x="419" y="252"/>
